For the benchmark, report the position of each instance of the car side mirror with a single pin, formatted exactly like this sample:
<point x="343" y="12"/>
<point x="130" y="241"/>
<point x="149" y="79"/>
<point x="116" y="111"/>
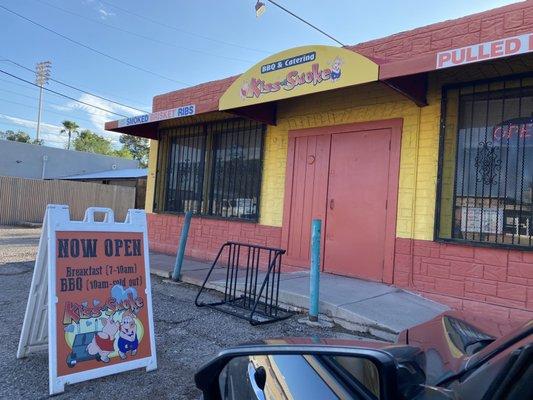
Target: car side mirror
<point x="298" y="372"/>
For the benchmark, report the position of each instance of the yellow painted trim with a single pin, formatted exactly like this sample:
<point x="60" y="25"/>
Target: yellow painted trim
<point x="296" y="72"/>
<point x="448" y="164"/>
<point x="273" y="181"/>
<point x="370" y="102"/>
<point x="150" y="181"/>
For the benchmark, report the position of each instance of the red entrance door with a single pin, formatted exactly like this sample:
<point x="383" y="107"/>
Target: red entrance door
<point x="357" y="203"/>
<point x="346" y="175"/>
<point x="306" y="193"/>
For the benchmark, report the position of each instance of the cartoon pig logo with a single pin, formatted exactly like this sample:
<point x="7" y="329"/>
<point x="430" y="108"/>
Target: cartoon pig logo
<point x="128" y="340"/>
<point x="246" y="90"/>
<point x="103" y="342"/>
<point x="336" y="68"/>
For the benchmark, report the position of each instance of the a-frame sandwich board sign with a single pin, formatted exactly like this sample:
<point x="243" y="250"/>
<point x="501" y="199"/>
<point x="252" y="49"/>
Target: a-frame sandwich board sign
<point x="90" y="300"/>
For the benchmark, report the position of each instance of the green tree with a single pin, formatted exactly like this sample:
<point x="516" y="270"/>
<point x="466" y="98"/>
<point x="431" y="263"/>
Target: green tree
<point x="92" y="143"/>
<point x="138" y="148"/>
<point x="19" y="136"/>
<point x="69" y="127"/>
<point x="123" y="153"/>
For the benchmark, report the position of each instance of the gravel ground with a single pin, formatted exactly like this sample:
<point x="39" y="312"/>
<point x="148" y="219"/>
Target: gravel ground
<point x="186" y="336"/>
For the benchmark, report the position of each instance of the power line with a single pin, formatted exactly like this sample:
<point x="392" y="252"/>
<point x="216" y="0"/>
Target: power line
<point x="155" y="40"/>
<point x="47" y="110"/>
<point x="78" y="89"/>
<point x="20" y="94"/>
<point x="163" y="24"/>
<point x="28" y="87"/>
<point x="63" y="95"/>
<point x="15" y="83"/>
<point x="48" y="102"/>
<point x="92" y="48"/>
<point x="306" y="22"/>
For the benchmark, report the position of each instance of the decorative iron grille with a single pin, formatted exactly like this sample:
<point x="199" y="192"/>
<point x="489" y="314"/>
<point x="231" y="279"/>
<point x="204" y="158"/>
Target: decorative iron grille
<point x="211" y="169"/>
<point x="185" y="173"/>
<point x="236" y="169"/>
<point x="486" y="167"/>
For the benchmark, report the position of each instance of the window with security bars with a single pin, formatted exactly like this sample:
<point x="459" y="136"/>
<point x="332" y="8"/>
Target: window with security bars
<point x="211" y="169"/>
<point x="486" y="170"/>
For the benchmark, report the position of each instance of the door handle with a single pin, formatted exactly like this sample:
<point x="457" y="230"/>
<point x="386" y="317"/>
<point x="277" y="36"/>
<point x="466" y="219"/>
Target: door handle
<point x="331" y="204"/>
<point x="255" y="375"/>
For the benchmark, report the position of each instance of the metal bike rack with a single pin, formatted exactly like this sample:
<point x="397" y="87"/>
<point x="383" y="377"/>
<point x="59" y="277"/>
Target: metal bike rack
<point x="251" y="289"/>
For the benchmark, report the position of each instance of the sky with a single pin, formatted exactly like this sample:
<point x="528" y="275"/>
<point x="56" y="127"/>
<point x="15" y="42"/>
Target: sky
<point x="153" y="47"/>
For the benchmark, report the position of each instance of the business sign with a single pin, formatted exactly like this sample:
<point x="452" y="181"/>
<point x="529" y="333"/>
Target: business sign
<point x="92" y="280"/>
<point x="516" y="127"/>
<point x="180" y="112"/>
<point x="486" y="51"/>
<point x="299" y="71"/>
<point x="486" y="220"/>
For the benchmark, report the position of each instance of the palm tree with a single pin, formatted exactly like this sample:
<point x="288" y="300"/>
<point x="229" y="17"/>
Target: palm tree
<point x="69" y="127"/>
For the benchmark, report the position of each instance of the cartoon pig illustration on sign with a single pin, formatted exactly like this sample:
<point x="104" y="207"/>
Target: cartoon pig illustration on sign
<point x="336" y="68"/>
<point x="103" y="342"/>
<point x="127" y="340"/>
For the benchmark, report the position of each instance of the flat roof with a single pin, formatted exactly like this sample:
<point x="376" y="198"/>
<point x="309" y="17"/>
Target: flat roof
<point x="127" y="173"/>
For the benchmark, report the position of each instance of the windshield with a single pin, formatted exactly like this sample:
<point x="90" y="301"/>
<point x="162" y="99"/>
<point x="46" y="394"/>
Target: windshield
<point x="440" y="347"/>
<point x="500" y="344"/>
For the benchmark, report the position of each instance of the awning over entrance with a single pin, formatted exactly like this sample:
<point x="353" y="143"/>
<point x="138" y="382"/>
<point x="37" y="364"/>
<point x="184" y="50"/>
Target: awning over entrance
<point x="475" y="53"/>
<point x="297" y="72"/>
<point x="312" y="69"/>
<point x="290" y="73"/>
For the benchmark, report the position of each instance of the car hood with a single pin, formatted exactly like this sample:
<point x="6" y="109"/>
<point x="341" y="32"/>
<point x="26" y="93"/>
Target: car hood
<point x="439" y="347"/>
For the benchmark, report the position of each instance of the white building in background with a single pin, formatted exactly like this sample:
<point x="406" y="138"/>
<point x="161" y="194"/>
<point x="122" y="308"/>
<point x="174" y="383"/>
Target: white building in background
<point x="41" y="162"/>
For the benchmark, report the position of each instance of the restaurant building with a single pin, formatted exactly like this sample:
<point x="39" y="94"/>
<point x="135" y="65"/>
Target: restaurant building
<point x="415" y="150"/>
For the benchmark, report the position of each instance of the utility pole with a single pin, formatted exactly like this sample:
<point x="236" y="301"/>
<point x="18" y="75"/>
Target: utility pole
<point x="42" y="75"/>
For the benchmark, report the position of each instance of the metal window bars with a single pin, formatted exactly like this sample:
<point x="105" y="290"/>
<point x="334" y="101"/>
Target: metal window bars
<point x="251" y="281"/>
<point x="185" y="170"/>
<point x="236" y="169"/>
<point x="486" y="187"/>
<point x="211" y="169"/>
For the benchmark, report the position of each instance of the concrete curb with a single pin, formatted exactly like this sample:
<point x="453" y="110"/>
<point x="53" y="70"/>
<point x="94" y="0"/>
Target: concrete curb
<point x="160" y="272"/>
<point x="290" y="301"/>
<point x="371" y="308"/>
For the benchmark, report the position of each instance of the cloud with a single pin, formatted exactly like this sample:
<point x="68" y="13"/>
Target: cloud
<point x="104" y="14"/>
<point x="59" y="107"/>
<point x="49" y="133"/>
<point x="97" y="116"/>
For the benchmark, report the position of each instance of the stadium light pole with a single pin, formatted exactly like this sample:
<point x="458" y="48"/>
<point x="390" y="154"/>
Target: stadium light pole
<point x="42" y="75"/>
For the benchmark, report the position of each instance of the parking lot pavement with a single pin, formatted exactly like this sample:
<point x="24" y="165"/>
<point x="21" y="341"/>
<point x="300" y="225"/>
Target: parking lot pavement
<point x="186" y="336"/>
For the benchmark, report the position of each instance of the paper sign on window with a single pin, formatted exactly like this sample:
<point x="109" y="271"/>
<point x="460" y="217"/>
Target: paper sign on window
<point x="487" y="220"/>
